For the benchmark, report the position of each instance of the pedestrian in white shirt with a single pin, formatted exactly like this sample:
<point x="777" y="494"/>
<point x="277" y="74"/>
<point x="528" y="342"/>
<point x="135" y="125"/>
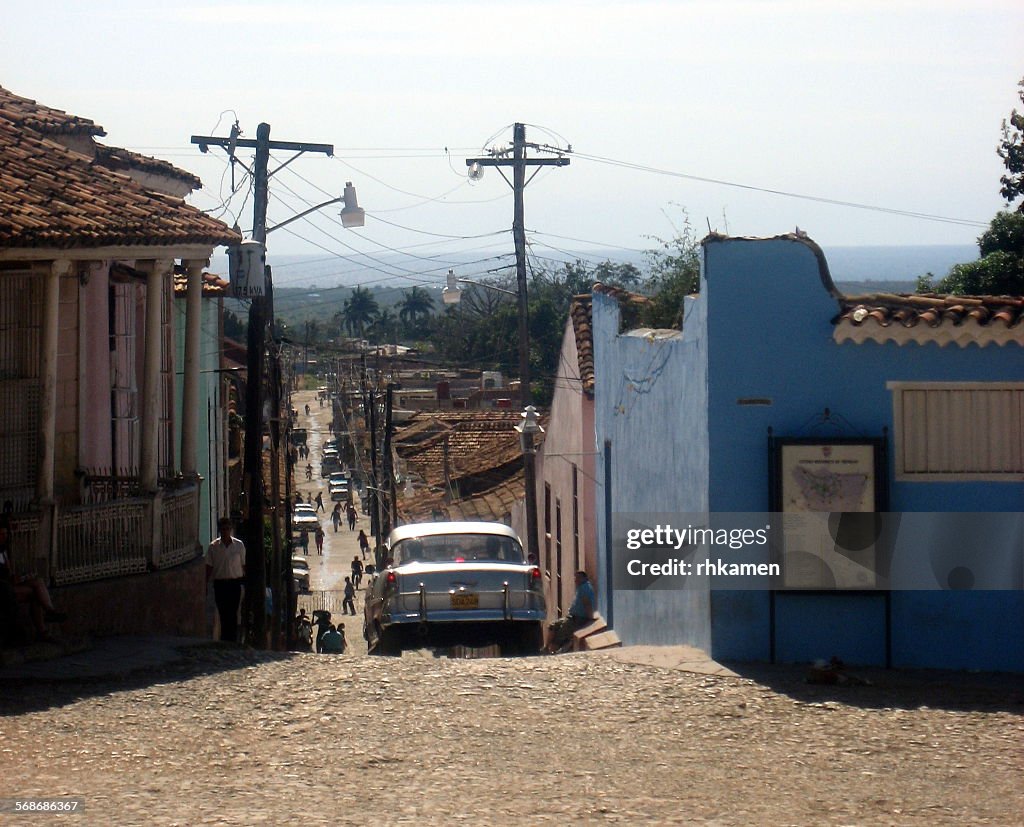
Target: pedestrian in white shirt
<point x="225" y="566"/>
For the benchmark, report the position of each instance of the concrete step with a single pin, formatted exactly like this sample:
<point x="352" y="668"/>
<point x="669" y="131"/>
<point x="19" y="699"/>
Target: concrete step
<point x="598" y="624"/>
<point x="602" y="640"/>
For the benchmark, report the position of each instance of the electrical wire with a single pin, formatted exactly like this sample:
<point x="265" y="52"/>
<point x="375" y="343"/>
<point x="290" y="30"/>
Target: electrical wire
<point x="819" y="199"/>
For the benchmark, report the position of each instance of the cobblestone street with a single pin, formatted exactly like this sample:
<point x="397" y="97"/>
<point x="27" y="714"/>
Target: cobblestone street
<point x="228" y="736"/>
<point x="184" y="731"/>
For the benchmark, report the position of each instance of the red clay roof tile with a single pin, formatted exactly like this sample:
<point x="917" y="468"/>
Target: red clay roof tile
<point x="51" y="196"/>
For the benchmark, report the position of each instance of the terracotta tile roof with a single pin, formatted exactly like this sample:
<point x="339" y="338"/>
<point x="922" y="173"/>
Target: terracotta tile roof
<point x="493" y="504"/>
<point x="44" y="119"/>
<point x="51" y="196"/>
<point x="473" y="447"/>
<point x="930" y="317"/>
<point x="581" y="314"/>
<point x="425" y="425"/>
<point x="213" y="285"/>
<point x="120" y="160"/>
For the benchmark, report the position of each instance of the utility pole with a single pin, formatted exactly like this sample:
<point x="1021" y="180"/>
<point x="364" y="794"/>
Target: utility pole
<point x="519" y="162"/>
<point x="260" y="314"/>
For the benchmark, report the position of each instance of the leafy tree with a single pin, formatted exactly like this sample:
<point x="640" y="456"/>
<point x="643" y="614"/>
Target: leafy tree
<point x="384" y="327"/>
<point x="1011" y="150"/>
<point x="234" y="326"/>
<point x="674" y="274"/>
<point x="1000" y="270"/>
<point x="416" y="304"/>
<point x="415" y="308"/>
<point x="358" y="311"/>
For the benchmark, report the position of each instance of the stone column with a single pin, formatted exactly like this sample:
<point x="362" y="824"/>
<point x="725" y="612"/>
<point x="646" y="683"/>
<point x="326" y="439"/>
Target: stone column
<point x="190" y="383"/>
<point x="48" y="378"/>
<point x="157" y="271"/>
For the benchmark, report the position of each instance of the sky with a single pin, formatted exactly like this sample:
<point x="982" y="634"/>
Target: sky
<point x="672" y="110"/>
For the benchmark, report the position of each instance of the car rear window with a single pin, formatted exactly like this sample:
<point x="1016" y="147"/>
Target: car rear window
<point x="457" y="548"/>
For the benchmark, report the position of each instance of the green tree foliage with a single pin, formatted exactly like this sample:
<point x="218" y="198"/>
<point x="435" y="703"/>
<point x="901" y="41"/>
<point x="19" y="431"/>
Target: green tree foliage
<point x="415" y="309"/>
<point x="1000" y="270"/>
<point x="1011" y="150"/>
<point x="358" y="312"/>
<point x="234" y="326"/>
<point x="674" y="274"/>
<point x="384" y="328"/>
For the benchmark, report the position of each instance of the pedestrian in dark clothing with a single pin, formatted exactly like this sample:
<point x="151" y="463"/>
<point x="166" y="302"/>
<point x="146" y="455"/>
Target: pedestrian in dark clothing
<point x="319" y="541"/>
<point x="352" y="517"/>
<point x="320" y="502"/>
<point x="336" y="516"/>
<point x="348" y="605"/>
<point x="364" y="543"/>
<point x="357" y="571"/>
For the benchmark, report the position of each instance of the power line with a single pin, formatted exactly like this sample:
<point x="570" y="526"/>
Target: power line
<point x="819" y="199"/>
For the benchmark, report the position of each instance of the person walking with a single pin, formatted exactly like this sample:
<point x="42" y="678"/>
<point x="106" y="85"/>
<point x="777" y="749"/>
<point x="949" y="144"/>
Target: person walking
<point x="348" y="605"/>
<point x="320" y="540"/>
<point x="309" y="472"/>
<point x="320" y="502"/>
<point x="364" y="543"/>
<point x="336" y="516"/>
<point x="225" y="566"/>
<point x="357" y="571"/>
<point x="351" y="514"/>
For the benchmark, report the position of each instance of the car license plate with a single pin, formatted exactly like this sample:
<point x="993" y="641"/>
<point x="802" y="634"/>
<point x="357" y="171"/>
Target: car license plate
<point x="463" y="600"/>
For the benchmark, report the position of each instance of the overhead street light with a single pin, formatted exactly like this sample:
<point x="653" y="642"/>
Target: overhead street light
<point x="352" y="215"/>
<point x="452" y="293"/>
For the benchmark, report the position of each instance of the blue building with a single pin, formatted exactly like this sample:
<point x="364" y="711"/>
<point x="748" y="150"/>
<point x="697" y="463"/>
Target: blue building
<point x="772" y="362"/>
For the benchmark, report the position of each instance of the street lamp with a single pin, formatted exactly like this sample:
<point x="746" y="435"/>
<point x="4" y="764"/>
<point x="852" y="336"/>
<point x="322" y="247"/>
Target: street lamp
<point x="352" y="215"/>
<point x="452" y="293"/>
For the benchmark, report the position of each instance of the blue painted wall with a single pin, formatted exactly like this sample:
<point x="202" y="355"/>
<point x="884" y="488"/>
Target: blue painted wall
<point x="769" y="335"/>
<point x="651" y="403"/>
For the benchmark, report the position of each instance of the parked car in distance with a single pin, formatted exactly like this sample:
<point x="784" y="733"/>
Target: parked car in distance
<point x="455" y="582"/>
<point x="304" y="520"/>
<point x="300" y="573"/>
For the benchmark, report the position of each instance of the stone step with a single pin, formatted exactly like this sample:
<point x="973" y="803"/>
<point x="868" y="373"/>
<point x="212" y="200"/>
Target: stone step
<point x="602" y="640"/>
<point x="598" y="624"/>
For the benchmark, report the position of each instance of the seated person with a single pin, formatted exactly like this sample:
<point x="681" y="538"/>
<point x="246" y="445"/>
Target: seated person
<point x="581" y="612"/>
<point x="23" y="589"/>
<point x="333" y="641"/>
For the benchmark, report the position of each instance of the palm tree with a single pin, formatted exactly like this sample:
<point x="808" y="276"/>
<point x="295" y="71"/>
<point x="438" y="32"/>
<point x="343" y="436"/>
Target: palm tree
<point x="358" y="311"/>
<point x="416" y="306"/>
<point x="384" y="326"/>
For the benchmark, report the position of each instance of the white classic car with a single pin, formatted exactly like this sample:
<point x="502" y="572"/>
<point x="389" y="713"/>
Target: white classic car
<point x="455" y="582"/>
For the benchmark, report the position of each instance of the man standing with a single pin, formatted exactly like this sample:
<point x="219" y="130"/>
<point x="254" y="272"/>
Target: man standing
<point x="348" y="605"/>
<point x="225" y="565"/>
<point x="581" y="612"/>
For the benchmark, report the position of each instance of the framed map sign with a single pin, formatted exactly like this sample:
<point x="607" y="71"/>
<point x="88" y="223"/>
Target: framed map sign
<point x="829" y="494"/>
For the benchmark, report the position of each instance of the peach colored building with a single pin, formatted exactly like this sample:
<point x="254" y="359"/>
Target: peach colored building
<point x="89" y="238"/>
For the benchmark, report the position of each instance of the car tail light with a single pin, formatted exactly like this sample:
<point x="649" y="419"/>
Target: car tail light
<point x="391" y="582"/>
<point x="535" y="578"/>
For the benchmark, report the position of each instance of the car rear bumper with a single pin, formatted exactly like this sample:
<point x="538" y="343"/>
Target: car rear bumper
<point x="464" y="616"/>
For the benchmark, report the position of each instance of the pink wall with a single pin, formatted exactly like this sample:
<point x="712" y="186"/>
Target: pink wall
<point x="569" y="442"/>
